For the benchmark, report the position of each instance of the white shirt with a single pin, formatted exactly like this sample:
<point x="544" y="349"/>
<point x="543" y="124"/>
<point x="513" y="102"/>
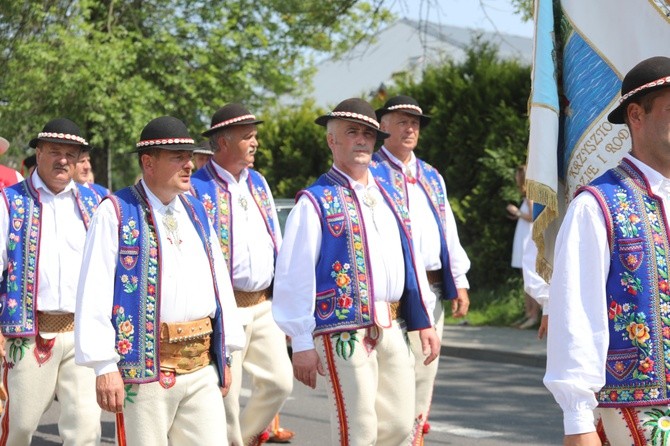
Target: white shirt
<point x="187" y="291"/>
<point x="61" y="244"/>
<point x="295" y="274"/>
<point x="578" y="335"/>
<point x="252" y="248"/>
<point x="425" y="228"/>
<point x="533" y="283"/>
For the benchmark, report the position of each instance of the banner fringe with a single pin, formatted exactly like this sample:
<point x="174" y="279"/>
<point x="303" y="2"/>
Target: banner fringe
<point x="542" y="194"/>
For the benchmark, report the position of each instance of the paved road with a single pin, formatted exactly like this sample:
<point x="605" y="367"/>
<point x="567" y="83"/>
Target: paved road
<point x="476" y="402"/>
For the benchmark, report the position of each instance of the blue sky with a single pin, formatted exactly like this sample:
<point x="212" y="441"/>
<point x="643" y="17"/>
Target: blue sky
<point x="490" y="15"/>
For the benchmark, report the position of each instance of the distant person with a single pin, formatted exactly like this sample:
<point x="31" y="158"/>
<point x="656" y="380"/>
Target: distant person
<point x="28" y="165"/>
<point x="522" y="233"/>
<point x="8" y="176"/>
<point x="349" y="286"/>
<point x="84" y="175"/>
<point x="608" y="349"/>
<point x="242" y="210"/>
<point x="203" y="153"/>
<point x="43" y="224"/>
<point x="156" y="316"/>
<point x="433" y="228"/>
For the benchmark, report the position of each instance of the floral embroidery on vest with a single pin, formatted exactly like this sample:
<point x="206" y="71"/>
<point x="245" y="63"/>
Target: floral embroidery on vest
<point x="17" y="298"/>
<point x="212" y="191"/>
<point x="637" y="291"/>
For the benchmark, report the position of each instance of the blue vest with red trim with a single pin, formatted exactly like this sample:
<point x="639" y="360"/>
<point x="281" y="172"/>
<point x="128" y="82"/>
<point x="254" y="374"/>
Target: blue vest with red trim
<point x="429" y="179"/>
<point x="212" y="191"/>
<point x="18" y="290"/>
<point x="638" y="294"/>
<point x="344" y="287"/>
<point x="136" y="310"/>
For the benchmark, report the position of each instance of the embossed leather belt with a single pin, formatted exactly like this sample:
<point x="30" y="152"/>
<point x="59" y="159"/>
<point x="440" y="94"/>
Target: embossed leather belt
<point x="434" y="276"/>
<point x="246" y="299"/>
<point x="395" y="310"/>
<point x="55" y="322"/>
<point x="184" y="346"/>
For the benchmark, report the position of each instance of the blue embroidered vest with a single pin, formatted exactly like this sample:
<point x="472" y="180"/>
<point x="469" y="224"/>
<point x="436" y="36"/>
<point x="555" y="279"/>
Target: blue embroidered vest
<point x="344" y="289"/>
<point x="638" y="293"/>
<point x="212" y="190"/>
<point x="18" y="298"/>
<point x="136" y="311"/>
<point x="429" y="179"/>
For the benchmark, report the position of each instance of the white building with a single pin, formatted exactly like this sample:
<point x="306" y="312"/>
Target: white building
<point x="407" y="46"/>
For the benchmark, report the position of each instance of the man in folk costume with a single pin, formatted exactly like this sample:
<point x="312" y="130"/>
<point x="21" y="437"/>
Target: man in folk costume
<point x="83" y="174"/>
<point x="348" y="287"/>
<point x="157" y="318"/>
<point x="433" y="227"/>
<point x="608" y="347"/>
<point x="43" y="223"/>
<point x="240" y="205"/>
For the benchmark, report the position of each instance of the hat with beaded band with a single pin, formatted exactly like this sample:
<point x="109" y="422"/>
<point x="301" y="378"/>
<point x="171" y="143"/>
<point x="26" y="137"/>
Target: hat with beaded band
<point x="404" y="104"/>
<point x="354" y="110"/>
<point x="166" y="133"/>
<point x="203" y="148"/>
<point x="230" y="115"/>
<point x="61" y="131"/>
<point x="647" y="76"/>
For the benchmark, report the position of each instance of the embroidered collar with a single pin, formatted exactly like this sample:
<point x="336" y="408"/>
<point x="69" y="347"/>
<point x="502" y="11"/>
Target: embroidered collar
<point x="352" y="184"/>
<point x="654" y="179"/>
<point x="157" y="204"/>
<point x="227" y="176"/>
<point x="411" y="166"/>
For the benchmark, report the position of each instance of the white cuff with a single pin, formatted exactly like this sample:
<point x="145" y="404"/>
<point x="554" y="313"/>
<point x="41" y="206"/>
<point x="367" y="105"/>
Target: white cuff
<point x="578" y="422"/>
<point x="302" y="342"/>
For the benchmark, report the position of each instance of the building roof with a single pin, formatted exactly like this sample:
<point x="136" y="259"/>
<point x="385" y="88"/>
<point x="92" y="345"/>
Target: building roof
<point x="407" y="46"/>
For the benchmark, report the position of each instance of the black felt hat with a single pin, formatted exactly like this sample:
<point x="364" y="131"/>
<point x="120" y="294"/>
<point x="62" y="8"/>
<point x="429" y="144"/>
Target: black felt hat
<point x="62" y="131"/>
<point x="647" y="76"/>
<point x="354" y="110"/>
<point x="204" y="148"/>
<point x="405" y="104"/>
<point x="230" y="115"/>
<point x="167" y="133"/>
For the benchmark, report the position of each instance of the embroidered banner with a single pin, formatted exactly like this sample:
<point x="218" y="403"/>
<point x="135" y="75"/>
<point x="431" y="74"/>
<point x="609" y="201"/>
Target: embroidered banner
<point x="582" y="51"/>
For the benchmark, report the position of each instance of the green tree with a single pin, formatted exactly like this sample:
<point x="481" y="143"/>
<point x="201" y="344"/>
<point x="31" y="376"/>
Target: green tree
<point x="293" y="151"/>
<point x="113" y="65"/>
<point x="524" y="8"/>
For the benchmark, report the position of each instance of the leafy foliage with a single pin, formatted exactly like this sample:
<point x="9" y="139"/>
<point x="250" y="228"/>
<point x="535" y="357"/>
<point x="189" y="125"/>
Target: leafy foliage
<point x="293" y="150"/>
<point x="112" y="65"/>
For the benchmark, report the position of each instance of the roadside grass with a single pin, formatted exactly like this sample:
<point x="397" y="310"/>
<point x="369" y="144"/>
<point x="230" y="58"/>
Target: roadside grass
<point x="499" y="307"/>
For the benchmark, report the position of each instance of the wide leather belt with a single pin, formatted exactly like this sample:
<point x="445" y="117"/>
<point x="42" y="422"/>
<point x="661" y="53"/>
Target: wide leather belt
<point x="246" y="299"/>
<point x="184" y="346"/>
<point x="395" y="310"/>
<point x="434" y="276"/>
<point x="55" y="322"/>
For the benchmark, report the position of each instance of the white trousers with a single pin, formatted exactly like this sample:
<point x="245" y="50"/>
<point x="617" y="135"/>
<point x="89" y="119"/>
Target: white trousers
<point x="31" y="387"/>
<point x="425" y="374"/>
<point x="636" y="426"/>
<point x="187" y="414"/>
<point x="265" y="361"/>
<point x="370" y="386"/>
